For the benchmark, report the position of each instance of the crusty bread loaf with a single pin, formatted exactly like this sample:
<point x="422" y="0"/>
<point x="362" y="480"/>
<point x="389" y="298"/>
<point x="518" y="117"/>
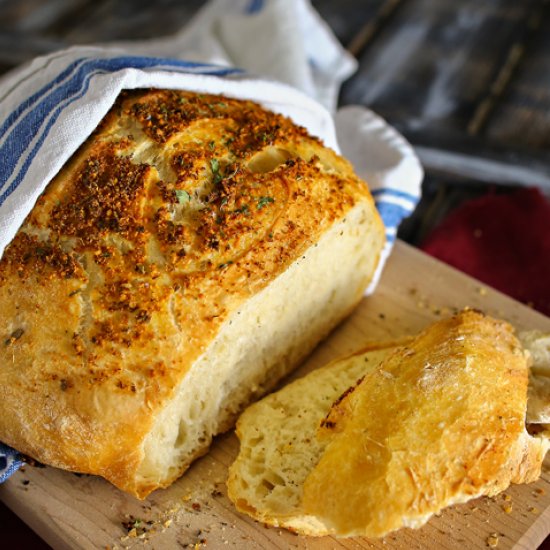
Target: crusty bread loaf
<point x="189" y="255"/>
<point x="436" y="421"/>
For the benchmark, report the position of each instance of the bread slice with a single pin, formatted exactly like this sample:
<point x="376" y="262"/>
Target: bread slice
<point x="436" y="421"/>
<point x="190" y="254"/>
<point x="278" y="443"/>
<point x="538" y="402"/>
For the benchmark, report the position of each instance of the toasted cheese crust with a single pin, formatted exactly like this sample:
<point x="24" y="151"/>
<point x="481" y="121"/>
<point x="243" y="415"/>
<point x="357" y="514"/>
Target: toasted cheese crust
<point x="175" y="212"/>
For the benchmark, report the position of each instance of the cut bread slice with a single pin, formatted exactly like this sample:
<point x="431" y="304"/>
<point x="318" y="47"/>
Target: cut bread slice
<point x="435" y="421"/>
<point x="278" y="443"/>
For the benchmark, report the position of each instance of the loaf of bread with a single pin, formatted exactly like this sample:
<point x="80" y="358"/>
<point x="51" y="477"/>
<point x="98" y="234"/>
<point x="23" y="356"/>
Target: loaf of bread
<point x="187" y="257"/>
<point x="437" y="420"/>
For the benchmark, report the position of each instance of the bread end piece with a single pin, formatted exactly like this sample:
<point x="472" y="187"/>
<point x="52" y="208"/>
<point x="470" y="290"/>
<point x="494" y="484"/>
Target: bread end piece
<point x="449" y="427"/>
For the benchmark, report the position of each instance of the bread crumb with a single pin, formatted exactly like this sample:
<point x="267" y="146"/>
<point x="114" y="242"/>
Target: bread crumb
<point x="482" y="291"/>
<point x="506" y="497"/>
<point x="492" y="540"/>
<point x="533" y="510"/>
<point x="507" y="508"/>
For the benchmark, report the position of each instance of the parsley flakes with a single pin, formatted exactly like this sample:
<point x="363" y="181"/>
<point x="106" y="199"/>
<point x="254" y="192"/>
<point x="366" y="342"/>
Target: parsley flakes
<point x="215" y="167"/>
<point x="263" y="201"/>
<point x="182" y="196"/>
<point x="243" y="210"/>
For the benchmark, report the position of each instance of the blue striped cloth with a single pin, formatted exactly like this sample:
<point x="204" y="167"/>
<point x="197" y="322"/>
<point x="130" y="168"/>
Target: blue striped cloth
<point x="383" y="158"/>
<point x="10" y="462"/>
<point x="49" y="107"/>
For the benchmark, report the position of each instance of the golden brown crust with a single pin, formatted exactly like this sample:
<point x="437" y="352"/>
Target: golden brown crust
<point x="179" y="208"/>
<point x="441" y="420"/>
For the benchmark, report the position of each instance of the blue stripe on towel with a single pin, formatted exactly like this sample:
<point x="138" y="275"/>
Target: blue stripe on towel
<point x="134" y="62"/>
<point x="395" y="193"/>
<point x="254" y="6"/>
<point x="9" y="462"/>
<point x="24" y="168"/>
<point x="392" y="214"/>
<point x="33" y="98"/>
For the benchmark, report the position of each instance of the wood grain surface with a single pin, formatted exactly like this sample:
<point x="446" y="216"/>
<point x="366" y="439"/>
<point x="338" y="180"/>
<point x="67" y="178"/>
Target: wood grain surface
<point x="85" y="512"/>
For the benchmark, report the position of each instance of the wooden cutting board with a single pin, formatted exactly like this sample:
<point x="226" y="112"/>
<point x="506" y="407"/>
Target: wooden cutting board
<point x="71" y="511"/>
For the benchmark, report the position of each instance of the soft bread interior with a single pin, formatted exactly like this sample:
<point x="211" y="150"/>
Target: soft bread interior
<point x="278" y="444"/>
<point x="251" y="353"/>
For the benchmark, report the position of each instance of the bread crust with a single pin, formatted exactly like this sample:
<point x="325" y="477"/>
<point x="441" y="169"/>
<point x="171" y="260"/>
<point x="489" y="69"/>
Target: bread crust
<point x="175" y="212"/>
<point x="449" y="426"/>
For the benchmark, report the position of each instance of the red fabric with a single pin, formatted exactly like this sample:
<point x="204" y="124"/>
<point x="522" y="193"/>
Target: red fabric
<point x="502" y="240"/>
